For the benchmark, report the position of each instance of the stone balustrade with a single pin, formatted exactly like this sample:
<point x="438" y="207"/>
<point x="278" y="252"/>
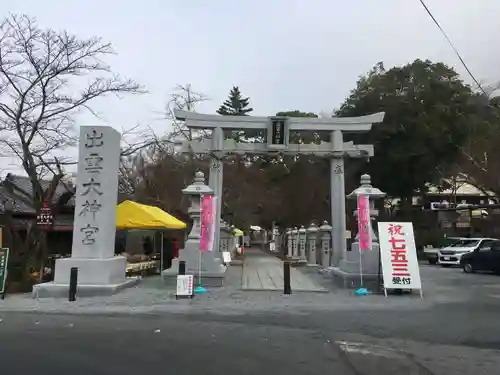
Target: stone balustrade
<point x="311" y="246"/>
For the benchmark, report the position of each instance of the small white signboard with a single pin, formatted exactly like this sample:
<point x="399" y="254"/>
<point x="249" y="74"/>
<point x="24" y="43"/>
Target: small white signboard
<point x="226" y="257"/>
<point x="184" y="286"/>
<point x="398" y="255"/>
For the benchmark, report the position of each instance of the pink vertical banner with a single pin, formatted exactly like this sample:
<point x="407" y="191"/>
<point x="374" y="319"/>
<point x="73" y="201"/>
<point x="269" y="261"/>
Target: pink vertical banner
<point x="207" y="223"/>
<point x="364" y="225"/>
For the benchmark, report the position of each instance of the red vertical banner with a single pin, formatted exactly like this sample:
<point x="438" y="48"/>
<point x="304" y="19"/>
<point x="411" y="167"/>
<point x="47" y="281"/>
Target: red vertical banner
<point x="207" y="223"/>
<point x="364" y="225"/>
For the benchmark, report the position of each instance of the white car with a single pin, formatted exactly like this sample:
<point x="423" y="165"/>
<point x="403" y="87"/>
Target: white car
<point x="450" y="255"/>
<point x="432" y="253"/>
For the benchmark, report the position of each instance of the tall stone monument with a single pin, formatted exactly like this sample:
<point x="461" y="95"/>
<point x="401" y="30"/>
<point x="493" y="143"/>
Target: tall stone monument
<point x="212" y="269"/>
<point x="100" y="272"/>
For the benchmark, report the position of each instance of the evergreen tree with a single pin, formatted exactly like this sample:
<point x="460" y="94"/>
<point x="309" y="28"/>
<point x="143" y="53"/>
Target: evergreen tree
<point x="428" y="110"/>
<point x="235" y="105"/>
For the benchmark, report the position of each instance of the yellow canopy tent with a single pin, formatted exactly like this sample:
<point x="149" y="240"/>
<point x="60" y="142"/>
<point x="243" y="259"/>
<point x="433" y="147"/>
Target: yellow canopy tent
<point x="132" y="215"/>
<point x="238" y="232"/>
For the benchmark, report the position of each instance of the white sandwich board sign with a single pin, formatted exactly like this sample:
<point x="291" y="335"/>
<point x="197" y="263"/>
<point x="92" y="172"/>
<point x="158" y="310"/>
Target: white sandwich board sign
<point x="398" y="255"/>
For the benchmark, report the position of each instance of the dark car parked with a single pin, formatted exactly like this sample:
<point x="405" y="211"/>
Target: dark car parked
<point x="485" y="258"/>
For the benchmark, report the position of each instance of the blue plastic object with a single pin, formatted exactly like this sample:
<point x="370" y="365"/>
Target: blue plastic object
<point x="361" y="292"/>
<point x="200" y="290"/>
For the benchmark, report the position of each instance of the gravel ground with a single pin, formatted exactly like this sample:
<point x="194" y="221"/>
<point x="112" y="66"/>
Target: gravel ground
<point x="442" y="287"/>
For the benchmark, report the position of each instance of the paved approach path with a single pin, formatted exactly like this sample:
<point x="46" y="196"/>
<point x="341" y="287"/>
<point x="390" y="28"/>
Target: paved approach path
<point x="262" y="271"/>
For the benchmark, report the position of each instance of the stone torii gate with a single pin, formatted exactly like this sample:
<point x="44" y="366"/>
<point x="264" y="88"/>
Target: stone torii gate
<point x="278" y="133"/>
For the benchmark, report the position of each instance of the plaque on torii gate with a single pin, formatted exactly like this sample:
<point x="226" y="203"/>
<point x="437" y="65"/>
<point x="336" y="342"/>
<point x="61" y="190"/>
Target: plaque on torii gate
<point x="278" y="135"/>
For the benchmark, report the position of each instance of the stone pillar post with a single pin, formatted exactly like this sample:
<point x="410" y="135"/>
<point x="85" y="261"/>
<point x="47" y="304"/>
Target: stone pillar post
<point x="222" y="237"/>
<point x="295" y="242"/>
<point x="289" y="242"/>
<point x="216" y="181"/>
<point x="302" y="244"/>
<point x="312" y="234"/>
<point x="233" y="243"/>
<point x="212" y="269"/>
<point x="337" y="196"/>
<point x="278" y="239"/>
<point x="225" y="237"/>
<point x="325" y="236"/>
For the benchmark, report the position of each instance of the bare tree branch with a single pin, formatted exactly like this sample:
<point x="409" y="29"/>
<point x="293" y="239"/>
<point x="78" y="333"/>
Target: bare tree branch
<point x="46" y="77"/>
<point x="138" y="138"/>
<point x="183" y="97"/>
<point x="144" y="153"/>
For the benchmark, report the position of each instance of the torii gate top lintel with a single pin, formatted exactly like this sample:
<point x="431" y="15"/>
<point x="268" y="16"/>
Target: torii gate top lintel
<point x="344" y="124"/>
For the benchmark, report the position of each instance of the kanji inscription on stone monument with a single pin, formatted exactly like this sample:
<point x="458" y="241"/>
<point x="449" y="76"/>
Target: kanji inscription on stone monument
<point x="96" y="192"/>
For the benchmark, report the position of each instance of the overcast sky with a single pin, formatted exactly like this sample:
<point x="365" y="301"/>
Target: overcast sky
<point x="284" y="54"/>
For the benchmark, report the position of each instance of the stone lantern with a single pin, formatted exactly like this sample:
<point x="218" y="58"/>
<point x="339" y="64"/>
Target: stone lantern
<point x="212" y="269"/>
<point x="373" y="193"/>
<point x="349" y="267"/>
<point x="295" y="243"/>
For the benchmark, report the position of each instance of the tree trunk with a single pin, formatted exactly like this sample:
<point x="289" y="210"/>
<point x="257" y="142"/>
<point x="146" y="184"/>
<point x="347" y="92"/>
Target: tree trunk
<point x="407" y="208"/>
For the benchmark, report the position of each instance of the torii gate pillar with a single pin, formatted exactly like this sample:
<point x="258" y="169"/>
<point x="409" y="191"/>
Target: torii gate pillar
<point x="337" y="197"/>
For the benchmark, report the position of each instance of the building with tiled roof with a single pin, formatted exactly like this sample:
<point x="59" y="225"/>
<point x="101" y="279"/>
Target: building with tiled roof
<point x="16" y="201"/>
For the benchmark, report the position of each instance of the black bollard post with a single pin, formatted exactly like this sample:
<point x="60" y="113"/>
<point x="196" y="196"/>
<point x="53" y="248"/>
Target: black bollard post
<point x="287" y="287"/>
<point x="73" y="282"/>
<point x="182" y="267"/>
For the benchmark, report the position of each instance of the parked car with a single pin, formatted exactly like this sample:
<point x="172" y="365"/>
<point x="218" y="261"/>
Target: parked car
<point x="484" y="258"/>
<point x="451" y="255"/>
<point x="432" y="253"/>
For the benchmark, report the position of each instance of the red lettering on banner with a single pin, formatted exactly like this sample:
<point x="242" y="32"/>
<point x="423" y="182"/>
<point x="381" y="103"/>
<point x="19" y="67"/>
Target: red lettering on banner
<point x="399" y="260"/>
<point x="394" y="243"/>
<point x="395" y="230"/>
<point x="398" y="256"/>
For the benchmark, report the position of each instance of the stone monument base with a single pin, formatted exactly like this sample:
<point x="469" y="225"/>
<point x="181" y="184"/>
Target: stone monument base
<point x="348" y="274"/>
<point x="351" y="280"/>
<point x="96" y="277"/>
<point x="208" y="278"/>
